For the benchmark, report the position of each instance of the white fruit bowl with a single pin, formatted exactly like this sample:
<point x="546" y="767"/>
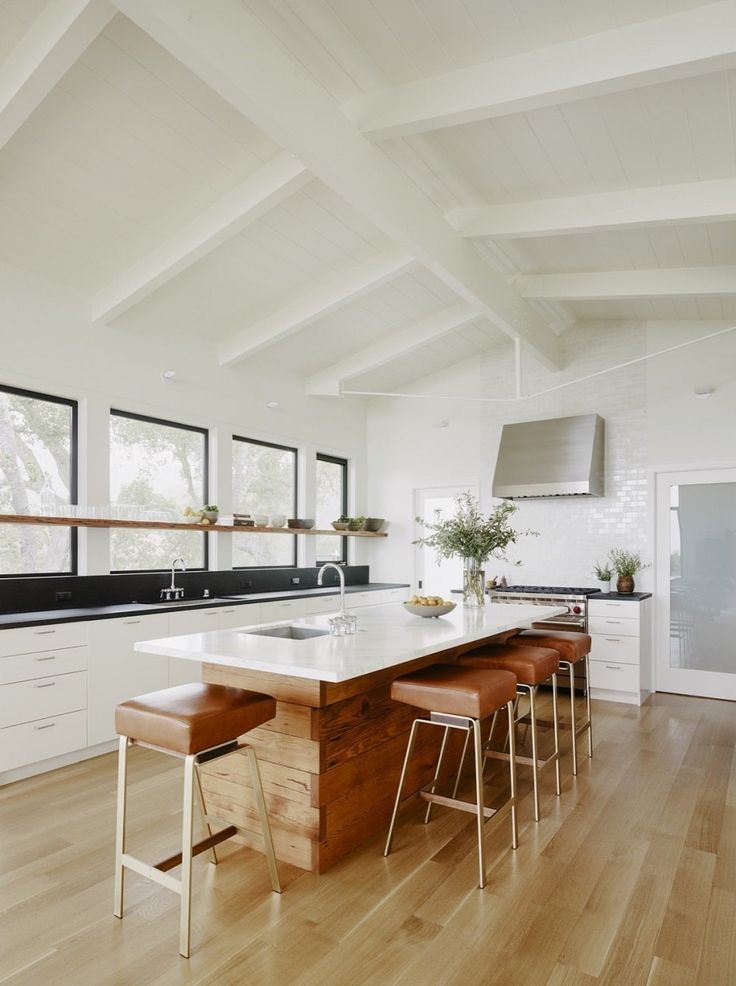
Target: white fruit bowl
<point x="429" y="611"/>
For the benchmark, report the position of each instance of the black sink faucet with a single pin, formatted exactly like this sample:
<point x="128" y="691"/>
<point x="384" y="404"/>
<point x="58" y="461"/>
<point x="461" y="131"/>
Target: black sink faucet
<point x="174" y="591"/>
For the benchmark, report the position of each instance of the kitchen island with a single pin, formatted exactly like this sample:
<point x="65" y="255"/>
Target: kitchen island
<point x="331" y="757"/>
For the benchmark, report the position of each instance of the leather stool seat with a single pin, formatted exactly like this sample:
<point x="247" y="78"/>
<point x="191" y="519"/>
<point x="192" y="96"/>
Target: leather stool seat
<point x="570" y="646"/>
<point x="531" y="665"/>
<point x="191" y="718"/>
<point x="455" y="691"/>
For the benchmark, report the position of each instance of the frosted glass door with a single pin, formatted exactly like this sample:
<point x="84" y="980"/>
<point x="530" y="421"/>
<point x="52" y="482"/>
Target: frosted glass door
<point x="433" y="577"/>
<point x="696" y="583"/>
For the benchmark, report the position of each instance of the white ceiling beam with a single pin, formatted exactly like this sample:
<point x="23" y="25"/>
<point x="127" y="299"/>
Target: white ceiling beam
<point x="244" y="204"/>
<point x="402" y="341"/>
<point x="45" y="53"/>
<point x="226" y="45"/>
<point x="688" y="202"/>
<point x="315" y="303"/>
<point x="679" y="282"/>
<point x="684" y="44"/>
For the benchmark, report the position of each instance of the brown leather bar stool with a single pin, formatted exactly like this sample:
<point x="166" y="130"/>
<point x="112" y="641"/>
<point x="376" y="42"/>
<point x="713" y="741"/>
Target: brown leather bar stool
<point x="459" y="698"/>
<point x="572" y="648"/>
<point x="197" y="723"/>
<point x="532" y="666"/>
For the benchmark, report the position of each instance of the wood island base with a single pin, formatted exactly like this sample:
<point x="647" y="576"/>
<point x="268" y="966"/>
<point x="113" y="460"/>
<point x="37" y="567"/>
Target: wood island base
<point x="330" y="762"/>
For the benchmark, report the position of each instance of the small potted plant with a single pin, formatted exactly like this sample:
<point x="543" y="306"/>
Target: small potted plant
<point x="625" y="564"/>
<point x="209" y="513"/>
<point x="604" y="575"/>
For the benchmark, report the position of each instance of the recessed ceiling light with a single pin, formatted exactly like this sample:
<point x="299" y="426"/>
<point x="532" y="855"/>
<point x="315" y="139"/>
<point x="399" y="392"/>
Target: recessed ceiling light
<point x="168" y="376"/>
<point x="272" y="403"/>
<point x="703" y="393"/>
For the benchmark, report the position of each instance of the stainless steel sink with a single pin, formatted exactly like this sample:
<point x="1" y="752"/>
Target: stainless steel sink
<point x="289" y="632"/>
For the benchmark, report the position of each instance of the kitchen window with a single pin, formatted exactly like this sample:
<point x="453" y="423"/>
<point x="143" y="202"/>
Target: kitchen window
<point x="264" y="482"/>
<point x="157" y="469"/>
<point x="332" y="503"/>
<point x="38" y="475"/>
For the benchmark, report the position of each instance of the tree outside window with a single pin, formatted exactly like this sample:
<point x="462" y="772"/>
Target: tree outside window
<point x="332" y="503"/>
<point x="264" y="481"/>
<point x="38" y="437"/>
<point x="157" y="469"/>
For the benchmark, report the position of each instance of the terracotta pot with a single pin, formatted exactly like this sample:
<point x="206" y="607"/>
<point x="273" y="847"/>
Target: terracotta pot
<point x="625" y="583"/>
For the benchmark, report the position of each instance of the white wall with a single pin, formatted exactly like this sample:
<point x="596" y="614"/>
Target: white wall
<point x="652" y="420"/>
<point x="48" y="344"/>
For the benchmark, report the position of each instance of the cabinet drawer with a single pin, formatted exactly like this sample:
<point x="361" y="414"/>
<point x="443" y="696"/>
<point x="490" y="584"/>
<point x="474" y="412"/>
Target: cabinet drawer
<point x="613" y="607"/>
<point x="23" y="667"/>
<point x="26" y="701"/>
<point x="614" y="676"/>
<point x="239" y="616"/>
<point x="619" y="649"/>
<point x="613" y="626"/>
<point x="325" y="604"/>
<point x="283" y="609"/>
<point x="356" y="599"/>
<point x="25" y="640"/>
<point x="31" y="742"/>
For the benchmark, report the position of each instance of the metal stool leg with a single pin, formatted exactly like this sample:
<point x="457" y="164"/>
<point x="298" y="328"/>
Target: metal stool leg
<point x="462" y="760"/>
<point x="265" y="824"/>
<point x="587" y="702"/>
<point x="187" y="835"/>
<point x="556" y="730"/>
<point x="573" y="720"/>
<point x="120" y="826"/>
<point x="478" y="760"/>
<point x="437" y="772"/>
<point x="407" y="756"/>
<point x="535" y="755"/>
<point x="203" y="807"/>
<point x="512" y="776"/>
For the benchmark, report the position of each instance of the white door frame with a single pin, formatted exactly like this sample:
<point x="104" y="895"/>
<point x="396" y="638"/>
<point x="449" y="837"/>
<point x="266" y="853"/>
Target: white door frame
<point x="684" y="681"/>
<point x="419" y="530"/>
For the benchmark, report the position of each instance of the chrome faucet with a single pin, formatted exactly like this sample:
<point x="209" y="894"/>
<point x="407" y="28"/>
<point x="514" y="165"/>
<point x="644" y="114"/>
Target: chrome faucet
<point x="331" y="564"/>
<point x="344" y="624"/>
<point x="174" y="591"/>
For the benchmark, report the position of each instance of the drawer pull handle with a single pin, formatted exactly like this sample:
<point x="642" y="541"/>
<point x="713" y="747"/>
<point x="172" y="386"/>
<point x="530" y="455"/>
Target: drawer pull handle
<point x="44" y="684"/>
<point x="228" y="610"/>
<point x="613" y="640"/>
<point x="51" y="657"/>
<point x="613" y="667"/>
<point x="613" y="621"/>
<point x="130" y="622"/>
<point x="46" y="725"/>
<point x="40" y="633"/>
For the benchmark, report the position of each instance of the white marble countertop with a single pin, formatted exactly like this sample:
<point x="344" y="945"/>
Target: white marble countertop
<point x="387" y="636"/>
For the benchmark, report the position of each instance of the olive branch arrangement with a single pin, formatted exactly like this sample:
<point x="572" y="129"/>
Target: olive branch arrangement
<point x="470" y="534"/>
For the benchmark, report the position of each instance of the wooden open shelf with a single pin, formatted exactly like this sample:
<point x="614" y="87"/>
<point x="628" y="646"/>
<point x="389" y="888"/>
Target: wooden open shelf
<point x="158" y="525"/>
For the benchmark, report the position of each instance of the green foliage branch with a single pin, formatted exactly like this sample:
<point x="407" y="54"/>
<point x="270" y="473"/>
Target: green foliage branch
<point x="471" y="534"/>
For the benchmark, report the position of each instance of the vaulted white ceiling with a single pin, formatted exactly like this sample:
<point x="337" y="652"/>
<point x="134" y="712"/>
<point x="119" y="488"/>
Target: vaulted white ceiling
<point x="367" y="191"/>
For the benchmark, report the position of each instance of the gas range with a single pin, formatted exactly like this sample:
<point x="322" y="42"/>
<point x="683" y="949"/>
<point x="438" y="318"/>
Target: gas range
<point x="575" y="600"/>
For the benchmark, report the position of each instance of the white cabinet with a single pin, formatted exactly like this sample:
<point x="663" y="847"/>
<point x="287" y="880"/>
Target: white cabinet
<point x="181" y="671"/>
<point x="116" y="672"/>
<point x="283" y="609"/>
<point x="43" y="692"/>
<point x="620" y="654"/>
<point x="240" y="616"/>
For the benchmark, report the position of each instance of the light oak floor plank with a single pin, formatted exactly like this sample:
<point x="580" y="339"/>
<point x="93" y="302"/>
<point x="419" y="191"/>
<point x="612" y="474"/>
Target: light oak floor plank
<point x="629" y="878"/>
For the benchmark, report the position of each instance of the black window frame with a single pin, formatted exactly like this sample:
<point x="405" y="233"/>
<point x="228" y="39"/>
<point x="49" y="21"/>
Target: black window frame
<point x="205" y="476"/>
<point x="73" y="479"/>
<point x="283" y="448"/>
<point x="343" y="463"/>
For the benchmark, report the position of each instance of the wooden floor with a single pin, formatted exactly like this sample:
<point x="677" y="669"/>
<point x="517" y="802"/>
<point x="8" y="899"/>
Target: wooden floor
<point x="629" y="879"/>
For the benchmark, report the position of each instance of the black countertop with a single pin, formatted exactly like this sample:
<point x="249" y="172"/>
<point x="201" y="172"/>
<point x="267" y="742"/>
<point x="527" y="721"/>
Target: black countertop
<point x="622" y="596"/>
<point x="74" y="615"/>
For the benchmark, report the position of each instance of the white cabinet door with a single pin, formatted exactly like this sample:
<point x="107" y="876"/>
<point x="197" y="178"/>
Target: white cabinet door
<point x="116" y="672"/>
<point x="239" y="616"/>
<point x="182" y="672"/>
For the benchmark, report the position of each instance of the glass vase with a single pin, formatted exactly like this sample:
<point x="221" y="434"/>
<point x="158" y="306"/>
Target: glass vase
<point x="474" y="583"/>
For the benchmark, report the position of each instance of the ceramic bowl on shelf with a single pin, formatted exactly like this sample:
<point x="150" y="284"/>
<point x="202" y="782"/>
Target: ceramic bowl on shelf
<point x="301" y="523"/>
<point x="416" y="609"/>
<point x="190" y="519"/>
<point x="278" y="520"/>
<point x="210" y="515"/>
<point x="260" y="519"/>
<point x="374" y="524"/>
<point x="340" y="525"/>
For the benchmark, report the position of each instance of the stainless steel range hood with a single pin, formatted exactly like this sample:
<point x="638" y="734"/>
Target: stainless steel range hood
<point x="553" y="457"/>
